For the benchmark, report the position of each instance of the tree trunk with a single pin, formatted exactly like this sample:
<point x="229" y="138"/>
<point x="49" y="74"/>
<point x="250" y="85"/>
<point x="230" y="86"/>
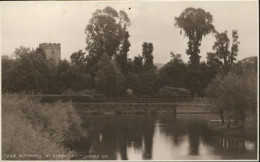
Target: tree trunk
<point x="221" y="113"/>
<point x="222" y="118"/>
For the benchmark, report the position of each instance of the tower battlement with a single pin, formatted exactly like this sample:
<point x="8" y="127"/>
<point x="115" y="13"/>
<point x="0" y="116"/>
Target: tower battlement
<point x="50" y="45"/>
<point x="52" y="51"/>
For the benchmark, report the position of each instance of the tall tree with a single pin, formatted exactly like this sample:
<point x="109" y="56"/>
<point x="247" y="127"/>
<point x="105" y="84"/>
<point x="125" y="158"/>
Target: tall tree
<point x="31" y="72"/>
<point x="234" y="95"/>
<point x="174" y="73"/>
<point x="176" y="57"/>
<point x="222" y="51"/>
<point x="148" y="56"/>
<point x="234" y="47"/>
<point x="221" y="46"/>
<point x="138" y="64"/>
<point x="107" y="75"/>
<point x="214" y="64"/>
<point x="107" y="33"/>
<point x="121" y="57"/>
<point x="78" y="58"/>
<point x="8" y="73"/>
<point x="196" y="23"/>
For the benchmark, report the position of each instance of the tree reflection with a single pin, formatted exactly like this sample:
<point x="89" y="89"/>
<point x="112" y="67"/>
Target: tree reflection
<point x="194" y="138"/>
<point x="148" y="131"/>
<point x="116" y="135"/>
<point x="117" y="132"/>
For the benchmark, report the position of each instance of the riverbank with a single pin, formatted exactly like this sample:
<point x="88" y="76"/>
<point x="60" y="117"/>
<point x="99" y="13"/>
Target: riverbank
<point x="246" y="130"/>
<point x="40" y="129"/>
<point x="35" y="131"/>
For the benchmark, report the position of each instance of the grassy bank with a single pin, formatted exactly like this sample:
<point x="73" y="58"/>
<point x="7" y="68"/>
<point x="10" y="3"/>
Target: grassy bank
<point x="31" y="130"/>
<point x="248" y="129"/>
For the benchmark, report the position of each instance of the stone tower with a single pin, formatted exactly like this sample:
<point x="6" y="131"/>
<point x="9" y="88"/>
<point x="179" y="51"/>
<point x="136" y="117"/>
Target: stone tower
<point x="52" y="51"/>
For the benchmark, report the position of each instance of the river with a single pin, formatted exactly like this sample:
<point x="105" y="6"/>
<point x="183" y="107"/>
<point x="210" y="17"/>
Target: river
<point x="159" y="137"/>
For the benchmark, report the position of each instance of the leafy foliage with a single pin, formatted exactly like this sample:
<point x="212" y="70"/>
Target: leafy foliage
<point x="150" y="83"/>
<point x="148" y="56"/>
<point x="196" y="23"/>
<point x="108" y="75"/>
<point x="138" y="64"/>
<point x="221" y="47"/>
<point x="33" y="128"/>
<point x="174" y="73"/>
<point x="223" y="56"/>
<point x="214" y="63"/>
<point x="29" y="72"/>
<point x="105" y="66"/>
<point x="235" y="94"/>
<point x="78" y="58"/>
<point x="234" y="47"/>
<point x="107" y="33"/>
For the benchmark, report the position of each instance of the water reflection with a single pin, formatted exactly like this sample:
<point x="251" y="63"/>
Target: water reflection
<point x="159" y="137"/>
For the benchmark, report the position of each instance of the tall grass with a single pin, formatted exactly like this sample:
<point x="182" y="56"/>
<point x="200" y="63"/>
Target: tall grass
<point x="32" y="128"/>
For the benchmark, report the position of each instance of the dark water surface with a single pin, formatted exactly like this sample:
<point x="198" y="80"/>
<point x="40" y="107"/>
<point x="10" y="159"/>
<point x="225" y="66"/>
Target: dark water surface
<point x="159" y="137"/>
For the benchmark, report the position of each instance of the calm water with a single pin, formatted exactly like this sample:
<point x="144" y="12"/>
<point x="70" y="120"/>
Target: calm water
<point x="160" y="137"/>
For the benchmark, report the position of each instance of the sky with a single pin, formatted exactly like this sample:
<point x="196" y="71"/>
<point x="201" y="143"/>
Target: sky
<point x="31" y="23"/>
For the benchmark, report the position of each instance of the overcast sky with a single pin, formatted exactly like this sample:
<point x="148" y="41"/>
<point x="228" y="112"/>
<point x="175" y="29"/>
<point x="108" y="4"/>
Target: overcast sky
<point x="31" y="23"/>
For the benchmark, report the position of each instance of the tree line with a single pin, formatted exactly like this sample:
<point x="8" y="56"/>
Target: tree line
<point x="104" y="65"/>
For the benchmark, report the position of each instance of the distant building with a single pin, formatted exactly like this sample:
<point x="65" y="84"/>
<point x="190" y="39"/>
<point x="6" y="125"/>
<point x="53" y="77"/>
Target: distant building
<point x="52" y="51"/>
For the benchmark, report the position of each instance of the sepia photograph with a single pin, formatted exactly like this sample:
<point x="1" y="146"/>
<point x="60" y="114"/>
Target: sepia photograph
<point x="129" y="80"/>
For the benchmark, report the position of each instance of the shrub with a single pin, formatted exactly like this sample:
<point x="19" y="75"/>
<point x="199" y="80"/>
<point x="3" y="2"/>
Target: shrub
<point x="29" y="127"/>
<point x="234" y="95"/>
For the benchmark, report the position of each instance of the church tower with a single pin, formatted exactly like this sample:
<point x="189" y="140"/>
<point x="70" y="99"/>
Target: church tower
<point x="52" y="51"/>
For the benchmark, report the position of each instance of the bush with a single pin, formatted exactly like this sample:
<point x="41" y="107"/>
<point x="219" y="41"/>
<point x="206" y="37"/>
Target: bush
<point x="234" y="95"/>
<point x="174" y="92"/>
<point x="29" y="127"/>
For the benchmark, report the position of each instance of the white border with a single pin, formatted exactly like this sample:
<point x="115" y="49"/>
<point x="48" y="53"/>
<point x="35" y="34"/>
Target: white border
<point x="139" y="1"/>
